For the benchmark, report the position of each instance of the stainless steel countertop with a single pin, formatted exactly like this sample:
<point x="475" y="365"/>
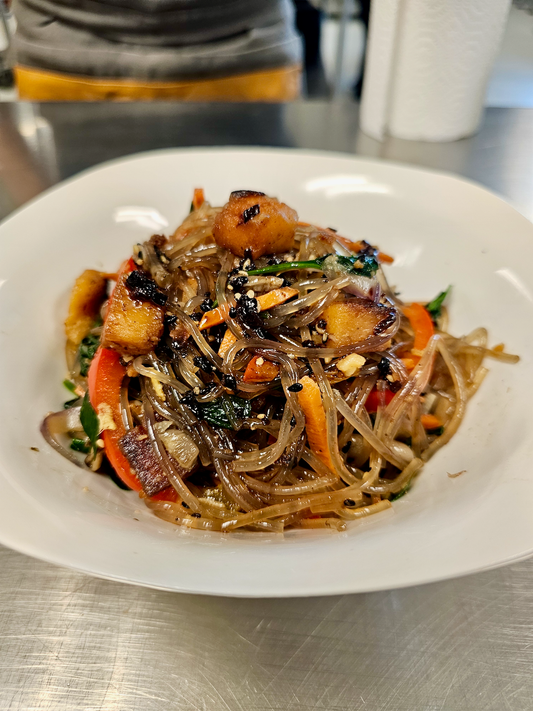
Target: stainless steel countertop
<point x="71" y="642"/>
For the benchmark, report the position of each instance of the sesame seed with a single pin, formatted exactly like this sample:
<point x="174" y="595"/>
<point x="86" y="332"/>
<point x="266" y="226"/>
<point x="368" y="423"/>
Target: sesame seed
<point x="100" y="443"/>
<point x="292" y="356"/>
<point x="349" y="502"/>
<point x="325" y="337"/>
<point x="196" y="390"/>
<point x="261" y="417"/>
<point x="250" y="294"/>
<point x="241" y="272"/>
<point x="238" y="296"/>
<point x="246" y="264"/>
<point x="295" y="388"/>
<point x="230" y="288"/>
<point x="260" y="361"/>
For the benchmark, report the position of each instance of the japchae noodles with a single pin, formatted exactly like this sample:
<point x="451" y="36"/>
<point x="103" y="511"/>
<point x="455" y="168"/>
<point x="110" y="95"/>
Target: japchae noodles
<point x="252" y="370"/>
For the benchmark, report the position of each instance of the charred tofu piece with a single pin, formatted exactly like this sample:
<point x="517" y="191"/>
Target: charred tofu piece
<point x="354" y="320"/>
<point x="254" y="221"/>
<point x="131" y="327"/>
<point x="138" y="451"/>
<point x="86" y="299"/>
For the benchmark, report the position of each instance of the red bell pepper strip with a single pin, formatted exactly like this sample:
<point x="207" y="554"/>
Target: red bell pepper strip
<point x="106" y="374"/>
<point x="168" y="494"/>
<point x="372" y="401"/>
<point x="105" y="377"/>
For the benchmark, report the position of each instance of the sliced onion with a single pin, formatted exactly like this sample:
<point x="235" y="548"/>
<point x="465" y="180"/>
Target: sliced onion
<point x="180" y="446"/>
<point x="57" y="425"/>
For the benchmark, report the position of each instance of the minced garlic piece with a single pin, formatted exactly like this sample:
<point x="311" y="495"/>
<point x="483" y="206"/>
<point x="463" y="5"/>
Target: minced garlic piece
<point x="158" y="388"/>
<point x="105" y="417"/>
<point x="351" y="364"/>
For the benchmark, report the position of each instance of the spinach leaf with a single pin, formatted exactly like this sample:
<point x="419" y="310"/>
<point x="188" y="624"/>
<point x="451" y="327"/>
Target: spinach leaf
<point x="79" y="445"/>
<point x="88" y="348"/>
<point x="368" y="268"/>
<point x="361" y="264"/>
<point x="89" y="421"/>
<point x="70" y="386"/>
<point x="401" y="493"/>
<point x="435" y="307"/>
<point x="224" y="411"/>
<point x="287" y="266"/>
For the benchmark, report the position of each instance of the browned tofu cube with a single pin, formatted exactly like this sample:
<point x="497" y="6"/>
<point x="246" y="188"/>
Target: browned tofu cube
<point x="131" y="327"/>
<point x="86" y="298"/>
<point x="354" y="320"/>
<point x="256" y="222"/>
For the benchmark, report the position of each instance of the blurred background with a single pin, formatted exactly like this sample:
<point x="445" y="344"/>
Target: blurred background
<point x="269" y="50"/>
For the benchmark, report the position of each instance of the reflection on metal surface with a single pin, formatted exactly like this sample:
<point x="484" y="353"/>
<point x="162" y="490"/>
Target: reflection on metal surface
<point x="74" y="643"/>
<point x="335" y="185"/>
<point x="516" y="282"/>
<point x="28" y="162"/>
<point x="144" y="217"/>
<point x="38" y="135"/>
<point x="444" y="156"/>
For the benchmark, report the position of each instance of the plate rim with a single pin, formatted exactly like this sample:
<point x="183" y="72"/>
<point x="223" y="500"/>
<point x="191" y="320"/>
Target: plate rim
<point x="300" y="152"/>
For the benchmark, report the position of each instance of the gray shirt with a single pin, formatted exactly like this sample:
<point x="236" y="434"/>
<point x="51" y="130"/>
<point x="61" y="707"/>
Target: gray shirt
<point x="156" y="39"/>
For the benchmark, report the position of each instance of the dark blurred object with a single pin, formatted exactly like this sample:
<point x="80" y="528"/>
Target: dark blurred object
<point x="526" y="5"/>
<point x="6" y="24"/>
<point x="334" y="45"/>
<point x="308" y="19"/>
<point x="308" y="25"/>
<point x="364" y="16"/>
<point x="6" y="78"/>
<point x="157" y="49"/>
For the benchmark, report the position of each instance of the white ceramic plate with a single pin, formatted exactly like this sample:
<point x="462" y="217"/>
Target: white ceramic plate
<point x="441" y="229"/>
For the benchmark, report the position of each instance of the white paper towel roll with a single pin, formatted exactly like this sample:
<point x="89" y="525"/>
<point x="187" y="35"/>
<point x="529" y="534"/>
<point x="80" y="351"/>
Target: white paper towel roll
<point x="428" y="63"/>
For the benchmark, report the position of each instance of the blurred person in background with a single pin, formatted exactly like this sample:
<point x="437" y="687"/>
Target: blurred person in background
<point x="90" y="50"/>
